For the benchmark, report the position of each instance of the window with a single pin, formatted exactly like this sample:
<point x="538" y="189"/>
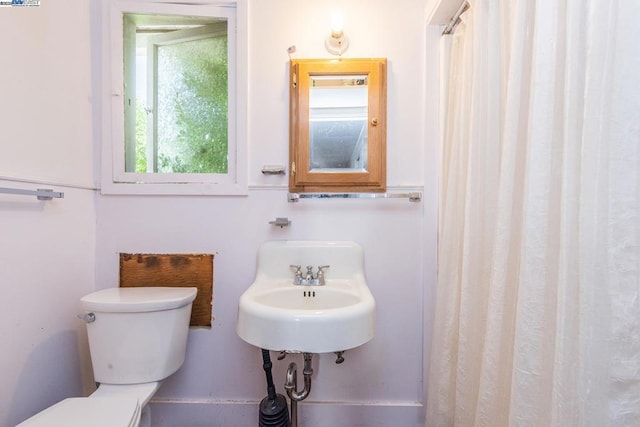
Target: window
<point x="171" y="122"/>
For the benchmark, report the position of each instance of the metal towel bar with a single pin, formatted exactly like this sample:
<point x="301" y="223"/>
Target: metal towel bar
<point x="40" y="193"/>
<point x="413" y="196"/>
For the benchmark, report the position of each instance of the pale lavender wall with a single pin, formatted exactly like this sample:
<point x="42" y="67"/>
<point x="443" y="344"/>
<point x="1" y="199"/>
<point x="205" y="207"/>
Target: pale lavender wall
<point x="380" y="383"/>
<point x="222" y="380"/>
<point x="47" y="248"/>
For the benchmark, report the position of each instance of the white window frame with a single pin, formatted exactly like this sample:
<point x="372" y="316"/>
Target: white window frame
<point x="114" y="178"/>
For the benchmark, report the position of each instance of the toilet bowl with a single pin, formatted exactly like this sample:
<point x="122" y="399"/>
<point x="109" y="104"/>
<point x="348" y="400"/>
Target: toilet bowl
<point x="137" y="338"/>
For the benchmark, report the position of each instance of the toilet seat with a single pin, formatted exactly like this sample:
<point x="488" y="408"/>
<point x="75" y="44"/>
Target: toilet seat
<point x="111" y="405"/>
<point x="89" y="411"/>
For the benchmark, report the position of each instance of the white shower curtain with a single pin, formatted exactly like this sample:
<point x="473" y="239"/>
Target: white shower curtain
<point x="538" y="303"/>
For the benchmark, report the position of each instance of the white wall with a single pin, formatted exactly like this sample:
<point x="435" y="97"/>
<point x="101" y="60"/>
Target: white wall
<point x="47" y="250"/>
<point x="380" y="383"/>
<point x="377" y="28"/>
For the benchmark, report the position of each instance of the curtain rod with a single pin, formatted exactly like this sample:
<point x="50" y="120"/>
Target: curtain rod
<point x="455" y="19"/>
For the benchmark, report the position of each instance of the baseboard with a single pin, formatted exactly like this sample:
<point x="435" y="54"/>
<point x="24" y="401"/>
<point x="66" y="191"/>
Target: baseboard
<point x="216" y="413"/>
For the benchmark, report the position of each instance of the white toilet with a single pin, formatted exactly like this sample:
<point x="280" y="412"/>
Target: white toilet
<point x="137" y="338"/>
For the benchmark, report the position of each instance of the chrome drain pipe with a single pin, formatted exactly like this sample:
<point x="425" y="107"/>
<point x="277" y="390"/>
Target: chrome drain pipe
<point x="291" y="385"/>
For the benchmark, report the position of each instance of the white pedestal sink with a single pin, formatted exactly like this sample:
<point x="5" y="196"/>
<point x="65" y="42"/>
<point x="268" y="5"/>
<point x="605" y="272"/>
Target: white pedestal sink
<point x="276" y="314"/>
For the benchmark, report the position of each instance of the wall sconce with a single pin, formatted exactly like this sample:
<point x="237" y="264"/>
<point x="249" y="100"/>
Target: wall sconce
<point x="337" y="42"/>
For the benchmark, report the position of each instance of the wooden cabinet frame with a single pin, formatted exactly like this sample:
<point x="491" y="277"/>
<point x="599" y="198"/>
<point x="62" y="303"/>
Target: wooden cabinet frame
<point x="301" y="177"/>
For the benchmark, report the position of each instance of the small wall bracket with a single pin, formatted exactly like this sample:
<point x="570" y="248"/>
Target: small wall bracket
<point x="281" y="222"/>
<point x="273" y="170"/>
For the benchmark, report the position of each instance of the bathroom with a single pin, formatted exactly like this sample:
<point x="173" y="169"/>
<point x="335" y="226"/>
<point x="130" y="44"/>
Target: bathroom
<point x="55" y="252"/>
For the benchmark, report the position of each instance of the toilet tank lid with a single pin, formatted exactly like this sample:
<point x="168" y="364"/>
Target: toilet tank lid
<point x="138" y="299"/>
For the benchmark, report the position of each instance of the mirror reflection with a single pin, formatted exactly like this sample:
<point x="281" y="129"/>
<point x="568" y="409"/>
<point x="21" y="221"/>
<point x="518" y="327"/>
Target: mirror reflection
<point x="338" y="122"/>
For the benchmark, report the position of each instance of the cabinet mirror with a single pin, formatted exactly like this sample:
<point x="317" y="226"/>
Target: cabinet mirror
<point x="337" y="125"/>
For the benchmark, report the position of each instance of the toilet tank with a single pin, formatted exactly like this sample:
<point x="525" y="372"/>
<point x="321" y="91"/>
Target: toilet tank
<point x="139" y="334"/>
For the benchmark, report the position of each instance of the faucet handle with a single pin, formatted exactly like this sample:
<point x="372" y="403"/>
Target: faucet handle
<point x="298" y="270"/>
<point x="320" y="276"/>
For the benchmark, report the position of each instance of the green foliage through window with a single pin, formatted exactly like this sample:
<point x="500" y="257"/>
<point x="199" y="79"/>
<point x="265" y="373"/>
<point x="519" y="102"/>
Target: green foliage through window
<point x="192" y="107"/>
<point x="176" y="82"/>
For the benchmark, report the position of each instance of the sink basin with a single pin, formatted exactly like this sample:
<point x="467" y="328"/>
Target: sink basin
<point x="276" y="314"/>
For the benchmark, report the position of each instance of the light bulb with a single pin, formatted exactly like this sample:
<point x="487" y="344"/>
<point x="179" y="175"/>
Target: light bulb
<point x="337" y="43"/>
<point x="337" y="25"/>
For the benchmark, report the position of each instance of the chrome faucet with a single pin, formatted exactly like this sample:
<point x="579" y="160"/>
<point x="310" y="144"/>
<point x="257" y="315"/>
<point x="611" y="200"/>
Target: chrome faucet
<point x="309" y="279"/>
<point x="309" y="275"/>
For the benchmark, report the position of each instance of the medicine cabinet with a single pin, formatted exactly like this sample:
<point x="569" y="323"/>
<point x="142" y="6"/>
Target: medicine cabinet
<point x="337" y="125"/>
